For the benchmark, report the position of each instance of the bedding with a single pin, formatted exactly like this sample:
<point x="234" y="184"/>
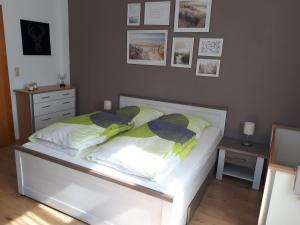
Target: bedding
<point x="153" y="148"/>
<point x="194" y="123"/>
<point x="81" y="132"/>
<point x="139" y="115"/>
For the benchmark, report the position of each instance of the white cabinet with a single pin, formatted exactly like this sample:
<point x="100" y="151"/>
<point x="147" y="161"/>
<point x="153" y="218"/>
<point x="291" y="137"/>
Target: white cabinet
<point x="281" y="202"/>
<point x="40" y="108"/>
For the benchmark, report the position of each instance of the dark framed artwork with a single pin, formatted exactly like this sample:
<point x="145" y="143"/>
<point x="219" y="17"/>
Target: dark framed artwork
<point x="35" y="38"/>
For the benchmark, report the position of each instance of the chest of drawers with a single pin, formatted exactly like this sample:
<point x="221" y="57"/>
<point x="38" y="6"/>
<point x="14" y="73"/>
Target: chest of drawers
<point x="40" y="108"/>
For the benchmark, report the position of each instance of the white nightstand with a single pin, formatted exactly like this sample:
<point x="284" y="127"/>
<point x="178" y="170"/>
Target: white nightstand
<point x="241" y="162"/>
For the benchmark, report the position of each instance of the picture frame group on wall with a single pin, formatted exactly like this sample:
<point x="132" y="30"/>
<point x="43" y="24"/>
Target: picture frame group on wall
<point x="209" y="47"/>
<point x="147" y="47"/>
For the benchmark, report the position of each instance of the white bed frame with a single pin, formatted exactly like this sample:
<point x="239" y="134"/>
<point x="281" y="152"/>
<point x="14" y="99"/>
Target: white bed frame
<point x="96" y="198"/>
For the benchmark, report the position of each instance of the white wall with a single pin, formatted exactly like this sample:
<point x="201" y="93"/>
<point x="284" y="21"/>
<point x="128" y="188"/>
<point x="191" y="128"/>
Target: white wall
<point x="41" y="69"/>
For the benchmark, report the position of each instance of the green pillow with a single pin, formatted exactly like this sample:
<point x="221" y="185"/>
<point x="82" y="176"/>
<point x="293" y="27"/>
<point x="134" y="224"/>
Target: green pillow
<point x="193" y="123"/>
<point x="139" y="115"/>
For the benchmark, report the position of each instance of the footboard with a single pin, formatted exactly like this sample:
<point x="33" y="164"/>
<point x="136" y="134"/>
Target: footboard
<point x="86" y="197"/>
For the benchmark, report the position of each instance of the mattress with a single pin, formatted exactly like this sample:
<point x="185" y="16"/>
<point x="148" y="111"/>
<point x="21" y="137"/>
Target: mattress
<point x="182" y="183"/>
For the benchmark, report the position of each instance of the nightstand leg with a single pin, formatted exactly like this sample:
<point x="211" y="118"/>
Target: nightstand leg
<point x="257" y="174"/>
<point x="221" y="161"/>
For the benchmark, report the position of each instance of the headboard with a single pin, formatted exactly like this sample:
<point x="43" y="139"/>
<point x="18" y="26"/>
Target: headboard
<point x="216" y="116"/>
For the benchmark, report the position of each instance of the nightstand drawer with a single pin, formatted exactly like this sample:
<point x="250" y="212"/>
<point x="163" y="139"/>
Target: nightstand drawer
<point x="240" y="159"/>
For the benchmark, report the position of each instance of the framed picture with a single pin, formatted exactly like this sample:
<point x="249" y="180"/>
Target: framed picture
<point x="133" y="14"/>
<point x="35" y="38"/>
<point x="148" y="47"/>
<point x="192" y="15"/>
<point x="157" y="13"/>
<point x="208" y="67"/>
<point x="210" y="47"/>
<point x="182" y="52"/>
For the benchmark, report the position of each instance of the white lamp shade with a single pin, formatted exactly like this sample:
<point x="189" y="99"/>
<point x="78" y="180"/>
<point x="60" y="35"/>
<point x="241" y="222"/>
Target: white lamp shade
<point x="107" y="105"/>
<point x="249" y="128"/>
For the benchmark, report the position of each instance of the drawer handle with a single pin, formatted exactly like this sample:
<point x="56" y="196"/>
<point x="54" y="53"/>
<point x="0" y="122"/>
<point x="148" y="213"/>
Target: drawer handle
<point x="66" y="103"/>
<point x="66" y="94"/>
<point x="46" y="106"/>
<point x="46" y="119"/>
<point x="45" y="97"/>
<point x="66" y="114"/>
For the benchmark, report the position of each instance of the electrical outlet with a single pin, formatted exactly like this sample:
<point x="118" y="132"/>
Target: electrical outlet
<point x="17" y="71"/>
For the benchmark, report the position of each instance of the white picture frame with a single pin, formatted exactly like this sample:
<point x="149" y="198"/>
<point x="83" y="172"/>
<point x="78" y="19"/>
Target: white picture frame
<point x="133" y="14"/>
<point x="182" y="52"/>
<point x="196" y="20"/>
<point x="208" y="67"/>
<point x="210" y="47"/>
<point x="147" y="47"/>
<point x="157" y="13"/>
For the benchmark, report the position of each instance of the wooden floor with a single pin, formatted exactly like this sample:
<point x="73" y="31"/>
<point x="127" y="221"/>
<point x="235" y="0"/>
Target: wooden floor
<point x="230" y="202"/>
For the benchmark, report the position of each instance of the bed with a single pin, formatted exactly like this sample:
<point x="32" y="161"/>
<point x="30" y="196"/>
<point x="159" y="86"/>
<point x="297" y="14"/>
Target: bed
<point x="97" y="194"/>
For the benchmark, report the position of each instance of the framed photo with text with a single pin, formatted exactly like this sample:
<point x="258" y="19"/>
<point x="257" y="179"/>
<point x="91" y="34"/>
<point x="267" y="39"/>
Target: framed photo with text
<point x="157" y="13"/>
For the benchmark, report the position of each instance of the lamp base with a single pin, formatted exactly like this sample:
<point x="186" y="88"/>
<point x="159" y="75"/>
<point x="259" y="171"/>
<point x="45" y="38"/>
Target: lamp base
<point x="247" y="143"/>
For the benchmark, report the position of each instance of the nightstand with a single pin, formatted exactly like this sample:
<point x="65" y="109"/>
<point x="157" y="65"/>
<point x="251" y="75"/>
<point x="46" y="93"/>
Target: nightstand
<point x="241" y="162"/>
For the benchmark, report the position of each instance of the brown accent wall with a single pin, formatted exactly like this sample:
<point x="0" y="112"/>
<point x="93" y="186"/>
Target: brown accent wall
<point x="259" y="75"/>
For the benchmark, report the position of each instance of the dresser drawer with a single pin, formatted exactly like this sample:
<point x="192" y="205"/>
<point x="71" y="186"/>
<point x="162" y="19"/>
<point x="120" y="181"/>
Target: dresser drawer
<point x="240" y="159"/>
<point x="46" y="120"/>
<point x="55" y="95"/>
<point x="53" y="106"/>
<point x="43" y="121"/>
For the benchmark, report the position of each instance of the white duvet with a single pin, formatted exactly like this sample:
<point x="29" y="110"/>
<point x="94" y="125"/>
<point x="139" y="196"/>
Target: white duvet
<point x="134" y="156"/>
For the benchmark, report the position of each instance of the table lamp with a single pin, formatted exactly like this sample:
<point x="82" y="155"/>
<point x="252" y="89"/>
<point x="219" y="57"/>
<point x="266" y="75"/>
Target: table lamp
<point x="107" y="105"/>
<point x="249" y="128"/>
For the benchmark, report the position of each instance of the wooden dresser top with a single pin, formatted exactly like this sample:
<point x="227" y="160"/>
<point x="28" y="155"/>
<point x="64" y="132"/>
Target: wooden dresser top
<point x="44" y="89"/>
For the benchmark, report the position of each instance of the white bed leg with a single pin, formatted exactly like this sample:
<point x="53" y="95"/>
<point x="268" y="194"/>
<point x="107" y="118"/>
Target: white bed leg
<point x="257" y="174"/>
<point x="221" y="161"/>
<point x="166" y="213"/>
<point x="19" y="169"/>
